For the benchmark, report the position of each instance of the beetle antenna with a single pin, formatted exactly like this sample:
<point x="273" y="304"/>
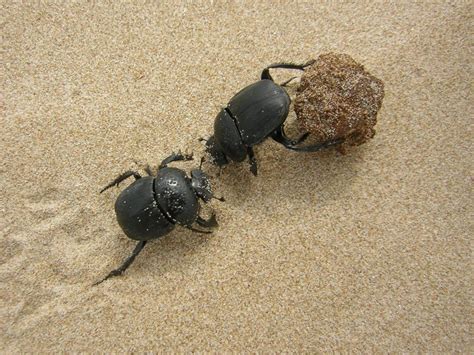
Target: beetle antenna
<point x="119" y="271"/>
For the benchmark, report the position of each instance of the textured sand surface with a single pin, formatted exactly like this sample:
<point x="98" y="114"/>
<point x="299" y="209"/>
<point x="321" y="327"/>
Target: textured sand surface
<point x="370" y="251"/>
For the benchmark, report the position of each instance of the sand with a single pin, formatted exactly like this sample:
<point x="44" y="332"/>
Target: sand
<point x="370" y="251"/>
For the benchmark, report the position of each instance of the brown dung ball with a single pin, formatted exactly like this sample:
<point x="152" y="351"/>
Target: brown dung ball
<point x="338" y="98"/>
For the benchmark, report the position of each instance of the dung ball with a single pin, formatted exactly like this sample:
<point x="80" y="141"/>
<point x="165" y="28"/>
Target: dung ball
<point x="338" y="98"/>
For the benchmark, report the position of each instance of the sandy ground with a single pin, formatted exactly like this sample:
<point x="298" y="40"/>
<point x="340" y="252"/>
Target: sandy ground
<point x="370" y="251"/>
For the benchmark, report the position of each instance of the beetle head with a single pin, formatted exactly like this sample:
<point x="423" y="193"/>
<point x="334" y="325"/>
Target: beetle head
<point x="201" y="184"/>
<point x="216" y="153"/>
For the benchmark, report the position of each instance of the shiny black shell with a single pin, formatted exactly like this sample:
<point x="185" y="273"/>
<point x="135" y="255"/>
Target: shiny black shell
<point x="175" y="195"/>
<point x="258" y="110"/>
<point x="151" y="206"/>
<point x="227" y="137"/>
<point x="138" y="213"/>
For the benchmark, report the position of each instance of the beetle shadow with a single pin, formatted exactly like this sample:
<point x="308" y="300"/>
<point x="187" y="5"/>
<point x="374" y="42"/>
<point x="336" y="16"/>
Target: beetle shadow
<point x="292" y="175"/>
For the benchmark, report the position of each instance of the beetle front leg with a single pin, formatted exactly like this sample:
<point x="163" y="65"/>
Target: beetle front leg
<point x="122" y="177"/>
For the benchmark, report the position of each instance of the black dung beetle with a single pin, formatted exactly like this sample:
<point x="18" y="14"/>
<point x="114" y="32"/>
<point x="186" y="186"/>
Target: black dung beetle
<point x="255" y="113"/>
<point x="153" y="205"/>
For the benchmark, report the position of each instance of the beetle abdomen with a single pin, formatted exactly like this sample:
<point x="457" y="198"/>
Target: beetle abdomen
<point x="258" y="110"/>
<point x="138" y="214"/>
<point x="228" y="138"/>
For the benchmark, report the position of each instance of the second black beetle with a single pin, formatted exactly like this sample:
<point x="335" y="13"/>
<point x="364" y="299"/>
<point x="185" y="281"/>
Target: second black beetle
<point x="153" y="205"/>
<point x="254" y="114"/>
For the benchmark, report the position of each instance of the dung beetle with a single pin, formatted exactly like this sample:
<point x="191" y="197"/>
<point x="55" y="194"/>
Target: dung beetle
<point x="153" y="205"/>
<point x="254" y="114"/>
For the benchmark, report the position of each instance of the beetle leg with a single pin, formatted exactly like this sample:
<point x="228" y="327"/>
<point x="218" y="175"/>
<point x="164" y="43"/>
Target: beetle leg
<point x="174" y="221"/>
<point x="175" y="157"/>
<point x="119" y="271"/>
<point x="252" y="161"/>
<point x="148" y="170"/>
<point x="302" y="138"/>
<point x="316" y="147"/>
<point x="279" y="136"/>
<point x="285" y="83"/>
<point x="207" y="223"/>
<point x="299" y="140"/>
<point x="122" y="177"/>
<point x="196" y="230"/>
<point x="266" y="71"/>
